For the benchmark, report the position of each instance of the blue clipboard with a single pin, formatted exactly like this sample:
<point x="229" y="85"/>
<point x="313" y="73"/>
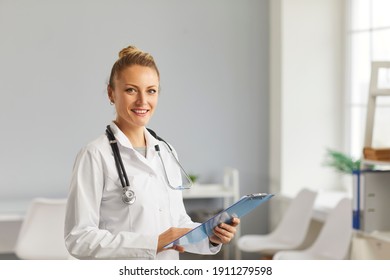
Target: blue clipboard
<point x="240" y="208"/>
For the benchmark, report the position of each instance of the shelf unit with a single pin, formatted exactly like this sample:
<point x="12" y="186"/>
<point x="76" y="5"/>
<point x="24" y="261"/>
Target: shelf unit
<point x="372" y="187"/>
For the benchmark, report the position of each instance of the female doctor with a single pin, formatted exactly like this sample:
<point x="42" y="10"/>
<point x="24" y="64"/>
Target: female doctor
<point x="132" y="216"/>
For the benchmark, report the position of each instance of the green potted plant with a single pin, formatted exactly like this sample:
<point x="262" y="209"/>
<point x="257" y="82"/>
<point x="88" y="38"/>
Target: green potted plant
<point x="193" y="177"/>
<point x="341" y="162"/>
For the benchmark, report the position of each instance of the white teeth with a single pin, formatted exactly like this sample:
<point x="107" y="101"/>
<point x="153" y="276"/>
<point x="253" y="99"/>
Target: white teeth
<point x="140" y="111"/>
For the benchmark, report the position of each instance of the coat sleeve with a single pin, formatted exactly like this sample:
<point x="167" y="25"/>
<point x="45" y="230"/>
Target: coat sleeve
<point x="83" y="238"/>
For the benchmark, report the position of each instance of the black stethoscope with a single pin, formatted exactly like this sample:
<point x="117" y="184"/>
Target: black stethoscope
<point x="128" y="195"/>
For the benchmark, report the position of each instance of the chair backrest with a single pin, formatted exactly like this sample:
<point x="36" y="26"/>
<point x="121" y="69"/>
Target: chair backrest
<point x="295" y="221"/>
<point x="41" y="236"/>
<point x="334" y="239"/>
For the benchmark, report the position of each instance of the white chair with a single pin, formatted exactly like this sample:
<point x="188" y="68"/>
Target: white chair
<point x="41" y="235"/>
<point x="333" y="241"/>
<point x="291" y="231"/>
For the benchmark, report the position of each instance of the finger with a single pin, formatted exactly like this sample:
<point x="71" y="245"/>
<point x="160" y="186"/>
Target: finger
<point x="169" y="236"/>
<point x="178" y="248"/>
<point x="164" y="249"/>
<point x="226" y="228"/>
<point x="222" y="238"/>
<point x="224" y="235"/>
<point x="235" y="222"/>
<point x="175" y="247"/>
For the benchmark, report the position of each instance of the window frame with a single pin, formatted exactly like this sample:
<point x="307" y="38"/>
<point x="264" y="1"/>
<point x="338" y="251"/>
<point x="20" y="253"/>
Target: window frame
<point x="357" y="94"/>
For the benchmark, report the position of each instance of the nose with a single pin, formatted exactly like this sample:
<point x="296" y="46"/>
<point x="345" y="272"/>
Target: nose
<point x="141" y="97"/>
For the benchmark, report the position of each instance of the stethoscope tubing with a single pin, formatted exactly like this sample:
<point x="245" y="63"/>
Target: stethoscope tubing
<point x="118" y="159"/>
<point x="157" y="148"/>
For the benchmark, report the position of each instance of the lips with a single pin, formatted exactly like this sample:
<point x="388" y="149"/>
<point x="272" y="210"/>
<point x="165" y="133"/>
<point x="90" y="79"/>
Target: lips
<point x="140" y="112"/>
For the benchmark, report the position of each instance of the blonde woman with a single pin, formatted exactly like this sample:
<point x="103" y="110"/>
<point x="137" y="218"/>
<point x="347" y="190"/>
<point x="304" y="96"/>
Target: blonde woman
<point x="124" y="199"/>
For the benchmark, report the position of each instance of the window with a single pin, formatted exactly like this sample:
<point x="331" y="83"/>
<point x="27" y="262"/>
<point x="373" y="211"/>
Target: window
<point x="368" y="40"/>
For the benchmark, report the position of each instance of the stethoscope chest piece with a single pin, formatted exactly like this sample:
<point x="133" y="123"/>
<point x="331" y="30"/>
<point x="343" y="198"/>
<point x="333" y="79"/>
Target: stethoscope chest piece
<point x="128" y="196"/>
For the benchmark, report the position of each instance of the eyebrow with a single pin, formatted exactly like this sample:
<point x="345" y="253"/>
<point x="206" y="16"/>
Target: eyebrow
<point x="138" y="87"/>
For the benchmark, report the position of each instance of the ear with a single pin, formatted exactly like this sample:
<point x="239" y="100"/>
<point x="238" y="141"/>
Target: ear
<point x="110" y="93"/>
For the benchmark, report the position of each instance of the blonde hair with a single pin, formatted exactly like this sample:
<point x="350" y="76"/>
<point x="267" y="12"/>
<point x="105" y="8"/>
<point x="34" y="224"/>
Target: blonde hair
<point x="128" y="57"/>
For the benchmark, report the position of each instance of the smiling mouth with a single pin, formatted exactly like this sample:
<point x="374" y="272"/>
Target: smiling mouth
<point x="140" y="111"/>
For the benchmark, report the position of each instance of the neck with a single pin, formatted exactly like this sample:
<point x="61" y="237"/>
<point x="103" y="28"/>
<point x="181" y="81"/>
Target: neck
<point x="135" y="135"/>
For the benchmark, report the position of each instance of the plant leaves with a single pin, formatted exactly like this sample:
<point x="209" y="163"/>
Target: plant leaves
<point x="341" y="162"/>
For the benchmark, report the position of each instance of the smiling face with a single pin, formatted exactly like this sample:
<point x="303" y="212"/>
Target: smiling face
<point x="135" y="95"/>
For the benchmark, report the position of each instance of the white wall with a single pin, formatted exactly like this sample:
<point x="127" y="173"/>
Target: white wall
<point x="55" y="59"/>
<point x="306" y="93"/>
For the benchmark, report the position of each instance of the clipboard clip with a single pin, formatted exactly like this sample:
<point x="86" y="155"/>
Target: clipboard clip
<point x="257" y="195"/>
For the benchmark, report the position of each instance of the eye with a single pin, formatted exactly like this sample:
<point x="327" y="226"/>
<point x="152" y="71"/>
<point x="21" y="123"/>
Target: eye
<point x="152" y="91"/>
<point x="131" y="90"/>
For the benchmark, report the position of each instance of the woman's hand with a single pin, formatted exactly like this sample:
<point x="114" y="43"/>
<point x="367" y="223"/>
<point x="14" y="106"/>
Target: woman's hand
<point x="170" y="235"/>
<point x="224" y="233"/>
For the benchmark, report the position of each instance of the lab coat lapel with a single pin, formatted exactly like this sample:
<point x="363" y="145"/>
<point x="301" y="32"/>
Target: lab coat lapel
<point x="150" y="143"/>
<point x="121" y="137"/>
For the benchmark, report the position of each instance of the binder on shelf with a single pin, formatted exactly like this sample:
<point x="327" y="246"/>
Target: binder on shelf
<point x="356" y="199"/>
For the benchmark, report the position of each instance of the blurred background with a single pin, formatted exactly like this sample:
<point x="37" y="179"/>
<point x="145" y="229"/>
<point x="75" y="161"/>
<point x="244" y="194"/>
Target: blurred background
<point x="263" y="87"/>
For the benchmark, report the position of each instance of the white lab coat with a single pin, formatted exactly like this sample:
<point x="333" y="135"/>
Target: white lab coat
<point x="99" y="225"/>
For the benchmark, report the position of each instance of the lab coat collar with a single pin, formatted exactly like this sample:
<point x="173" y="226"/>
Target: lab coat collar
<point x="125" y="142"/>
<point x="150" y="140"/>
<point x="120" y="136"/>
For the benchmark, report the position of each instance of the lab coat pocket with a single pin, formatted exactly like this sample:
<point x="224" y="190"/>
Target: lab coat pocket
<point x="144" y="212"/>
<point x="112" y="190"/>
<point x="119" y="216"/>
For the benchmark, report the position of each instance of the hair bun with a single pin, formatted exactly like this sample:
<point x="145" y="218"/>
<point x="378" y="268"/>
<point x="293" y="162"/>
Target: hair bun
<point x="127" y="51"/>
